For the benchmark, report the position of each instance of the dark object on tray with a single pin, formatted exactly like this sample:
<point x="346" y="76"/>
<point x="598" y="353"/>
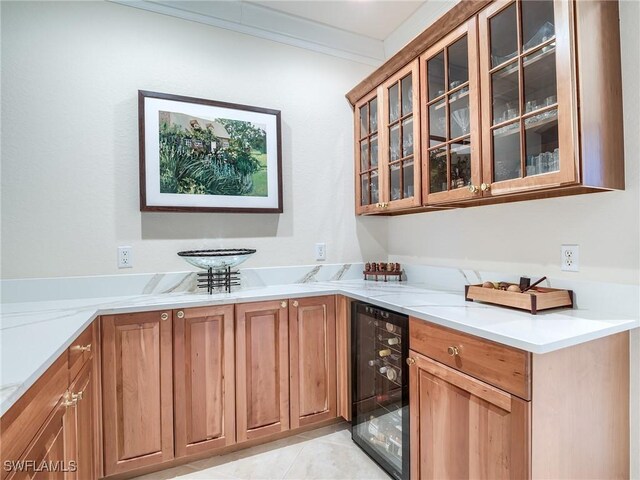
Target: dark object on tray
<point x="533" y="301"/>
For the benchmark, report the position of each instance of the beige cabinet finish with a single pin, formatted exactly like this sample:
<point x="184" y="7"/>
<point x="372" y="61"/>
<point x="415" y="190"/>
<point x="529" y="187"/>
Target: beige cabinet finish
<point x="312" y="340"/>
<point x="262" y="369"/>
<point x="204" y="379"/>
<point x="137" y="390"/>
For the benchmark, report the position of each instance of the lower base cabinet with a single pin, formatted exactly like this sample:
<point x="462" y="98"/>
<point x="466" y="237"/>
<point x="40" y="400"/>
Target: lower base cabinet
<point x="204" y="379"/>
<point x="467" y="422"/>
<point x="464" y="428"/>
<point x="137" y="390"/>
<point x="262" y="369"/>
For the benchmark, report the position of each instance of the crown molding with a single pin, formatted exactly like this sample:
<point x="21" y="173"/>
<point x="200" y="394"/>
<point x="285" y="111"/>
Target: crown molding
<point x="263" y="22"/>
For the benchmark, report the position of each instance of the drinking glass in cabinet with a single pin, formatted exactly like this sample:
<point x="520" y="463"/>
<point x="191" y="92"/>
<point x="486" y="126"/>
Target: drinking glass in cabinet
<point x="394" y="143"/>
<point x="373" y="115"/>
<point x="374" y="151"/>
<point x="407" y="95"/>
<point x="375" y="197"/>
<point x="540" y="78"/>
<point x="537" y="23"/>
<point x="407" y="179"/>
<point x="364" y="155"/>
<point x="364" y="120"/>
<point x="506" y="152"/>
<point x="459" y="119"/>
<point x="460" y="154"/>
<point x="394" y="179"/>
<point x="437" y="123"/>
<point x="407" y="137"/>
<point x="364" y="189"/>
<point x="435" y="69"/>
<point x="458" y="63"/>
<point x="541" y="143"/>
<point x="394" y="103"/>
<point x="504" y="35"/>
<point x="506" y="93"/>
<point x="438" y="169"/>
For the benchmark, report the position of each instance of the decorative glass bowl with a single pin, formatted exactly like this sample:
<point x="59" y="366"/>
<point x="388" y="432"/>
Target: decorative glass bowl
<point x="217" y="259"/>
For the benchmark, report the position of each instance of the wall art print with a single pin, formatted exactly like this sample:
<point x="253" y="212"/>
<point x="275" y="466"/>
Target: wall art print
<point x="200" y="155"/>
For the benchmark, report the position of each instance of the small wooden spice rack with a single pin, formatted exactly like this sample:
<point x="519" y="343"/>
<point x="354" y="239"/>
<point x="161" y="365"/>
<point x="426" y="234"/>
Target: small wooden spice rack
<point x="534" y="300"/>
<point x="384" y="270"/>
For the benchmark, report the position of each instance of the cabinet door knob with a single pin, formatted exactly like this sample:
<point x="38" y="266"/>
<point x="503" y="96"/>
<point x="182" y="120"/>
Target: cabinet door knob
<point x="473" y="188"/>
<point x="164" y="316"/>
<point x="485" y="187"/>
<point x="295" y="303"/>
<point x="453" y="351"/>
<point x="180" y="314"/>
<point x="283" y="304"/>
<point x="82" y="348"/>
<point x="411" y="361"/>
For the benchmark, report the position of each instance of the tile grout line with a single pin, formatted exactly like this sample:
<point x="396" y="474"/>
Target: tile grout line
<point x="292" y="463"/>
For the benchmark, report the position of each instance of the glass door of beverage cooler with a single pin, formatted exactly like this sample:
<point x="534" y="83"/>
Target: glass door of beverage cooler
<point x="380" y="420"/>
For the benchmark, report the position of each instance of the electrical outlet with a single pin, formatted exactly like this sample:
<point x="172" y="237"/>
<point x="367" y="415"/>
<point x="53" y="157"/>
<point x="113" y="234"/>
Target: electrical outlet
<point x="125" y="257"/>
<point x="321" y="251"/>
<point x="570" y="260"/>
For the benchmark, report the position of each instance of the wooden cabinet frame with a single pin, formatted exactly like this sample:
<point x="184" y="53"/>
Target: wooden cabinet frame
<point x="451" y="195"/>
<point x="374" y="206"/>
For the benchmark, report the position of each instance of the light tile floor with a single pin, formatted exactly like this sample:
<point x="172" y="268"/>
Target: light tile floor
<point x="326" y="453"/>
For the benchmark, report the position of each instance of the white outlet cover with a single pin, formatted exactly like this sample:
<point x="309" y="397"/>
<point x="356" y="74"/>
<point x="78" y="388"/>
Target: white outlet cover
<point x="321" y="251"/>
<point x="125" y="257"/>
<point x="570" y="258"/>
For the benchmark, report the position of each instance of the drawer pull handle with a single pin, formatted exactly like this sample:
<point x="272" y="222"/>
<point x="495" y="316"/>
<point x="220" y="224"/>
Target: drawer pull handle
<point x="295" y="303"/>
<point x="164" y="316"/>
<point x="453" y="351"/>
<point x="180" y="314"/>
<point x="82" y="348"/>
<point x="70" y="400"/>
<point x="283" y="304"/>
<point x="411" y="361"/>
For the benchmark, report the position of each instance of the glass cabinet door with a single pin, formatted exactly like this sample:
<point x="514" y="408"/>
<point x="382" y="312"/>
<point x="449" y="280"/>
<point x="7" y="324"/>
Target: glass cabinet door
<point x="450" y="120"/>
<point x="527" y="95"/>
<point x="367" y="155"/>
<point x="401" y="155"/>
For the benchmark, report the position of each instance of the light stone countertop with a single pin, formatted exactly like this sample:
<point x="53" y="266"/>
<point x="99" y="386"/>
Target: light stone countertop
<point x="33" y="335"/>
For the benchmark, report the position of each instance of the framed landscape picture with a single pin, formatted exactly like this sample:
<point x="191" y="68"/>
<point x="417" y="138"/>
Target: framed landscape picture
<point x="200" y="155"/>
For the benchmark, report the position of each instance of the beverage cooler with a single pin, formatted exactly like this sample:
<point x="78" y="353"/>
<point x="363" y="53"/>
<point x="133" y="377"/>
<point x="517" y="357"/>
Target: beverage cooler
<point x="380" y="409"/>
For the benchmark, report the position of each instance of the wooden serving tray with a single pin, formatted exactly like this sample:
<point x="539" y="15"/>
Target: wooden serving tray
<point x="534" y="300"/>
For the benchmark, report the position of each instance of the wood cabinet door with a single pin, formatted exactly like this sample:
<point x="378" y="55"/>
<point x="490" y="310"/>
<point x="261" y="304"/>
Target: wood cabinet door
<point x="204" y="382"/>
<point x="370" y="184"/>
<point x="81" y="431"/>
<point x="529" y="96"/>
<point x="137" y="390"/>
<point x="450" y="96"/>
<point x="463" y="428"/>
<point x="262" y="369"/>
<point x="400" y="134"/>
<point x="312" y="340"/>
<point x="50" y="447"/>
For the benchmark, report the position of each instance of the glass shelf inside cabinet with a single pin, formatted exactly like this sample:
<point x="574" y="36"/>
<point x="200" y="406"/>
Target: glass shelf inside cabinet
<point x="449" y="117"/>
<point x="524" y="90"/>
<point x="369" y="194"/>
<point x="401" y="139"/>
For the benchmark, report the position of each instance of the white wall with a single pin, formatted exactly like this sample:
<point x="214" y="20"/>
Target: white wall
<point x="70" y="76"/>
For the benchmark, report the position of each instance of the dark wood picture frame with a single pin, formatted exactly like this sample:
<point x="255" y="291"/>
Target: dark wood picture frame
<point x="145" y="205"/>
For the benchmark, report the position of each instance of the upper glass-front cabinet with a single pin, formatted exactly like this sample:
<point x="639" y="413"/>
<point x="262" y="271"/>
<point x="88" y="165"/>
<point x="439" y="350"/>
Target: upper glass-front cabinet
<point x="401" y="124"/>
<point x="450" y="117"/>
<point x="528" y="79"/>
<point x="368" y="183"/>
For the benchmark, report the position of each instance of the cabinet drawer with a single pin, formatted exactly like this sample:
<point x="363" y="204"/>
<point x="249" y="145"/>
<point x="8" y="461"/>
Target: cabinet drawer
<point x="80" y="352"/>
<point x="504" y="367"/>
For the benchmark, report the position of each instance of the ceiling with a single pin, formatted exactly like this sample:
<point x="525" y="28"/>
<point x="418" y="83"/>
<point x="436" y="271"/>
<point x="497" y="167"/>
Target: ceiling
<point x="352" y="29"/>
<point x="372" y="18"/>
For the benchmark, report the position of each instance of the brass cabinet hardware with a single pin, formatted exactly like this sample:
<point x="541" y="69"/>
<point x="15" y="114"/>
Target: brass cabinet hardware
<point x="295" y="303"/>
<point x="69" y="400"/>
<point x="180" y="314"/>
<point x="164" y="316"/>
<point x="453" y="351"/>
<point x="82" y="348"/>
<point x="283" y="304"/>
<point x="411" y="360"/>
<point x="473" y="188"/>
<point x="485" y="187"/>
